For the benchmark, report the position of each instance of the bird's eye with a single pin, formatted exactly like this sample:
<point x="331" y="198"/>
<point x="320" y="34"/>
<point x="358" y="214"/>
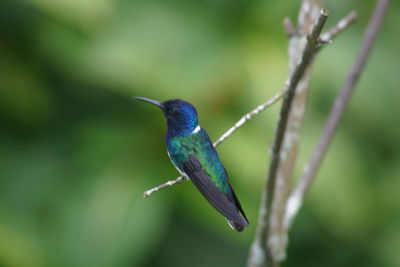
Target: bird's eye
<point x="174" y="111"/>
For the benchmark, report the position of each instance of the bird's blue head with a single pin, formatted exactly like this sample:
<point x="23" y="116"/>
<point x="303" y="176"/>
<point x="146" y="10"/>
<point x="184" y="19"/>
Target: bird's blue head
<point x="181" y="116"/>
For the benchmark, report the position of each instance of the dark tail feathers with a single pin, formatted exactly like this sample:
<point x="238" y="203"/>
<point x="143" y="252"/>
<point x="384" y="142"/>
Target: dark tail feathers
<point x="236" y="226"/>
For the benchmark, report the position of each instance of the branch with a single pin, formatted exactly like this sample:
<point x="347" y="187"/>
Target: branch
<point x="342" y="25"/>
<point x="277" y="239"/>
<point x="257" y="255"/>
<point x="289" y="28"/>
<point x="164" y="185"/>
<point x="236" y="126"/>
<point x="337" y="111"/>
<point x="249" y="115"/>
<point x="278" y="229"/>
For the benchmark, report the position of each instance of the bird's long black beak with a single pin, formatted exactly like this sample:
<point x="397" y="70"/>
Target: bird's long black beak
<point x="151" y="101"/>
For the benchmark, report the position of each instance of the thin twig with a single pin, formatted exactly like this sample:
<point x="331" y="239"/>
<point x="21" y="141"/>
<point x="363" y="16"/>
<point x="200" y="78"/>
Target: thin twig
<point x="337" y="111"/>
<point x="228" y="133"/>
<point x="164" y="185"/>
<point x="259" y="244"/>
<point x="289" y="28"/>
<point x="342" y="25"/>
<point x="249" y="115"/>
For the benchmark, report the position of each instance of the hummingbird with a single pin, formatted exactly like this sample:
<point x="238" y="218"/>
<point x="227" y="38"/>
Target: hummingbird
<point x="194" y="156"/>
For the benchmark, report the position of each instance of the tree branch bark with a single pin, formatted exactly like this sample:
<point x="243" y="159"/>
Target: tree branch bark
<point x="259" y="254"/>
<point x="337" y="111"/>
<point x="277" y="237"/>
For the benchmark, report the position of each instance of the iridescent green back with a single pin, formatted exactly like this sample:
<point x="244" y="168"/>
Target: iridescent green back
<point x="198" y="144"/>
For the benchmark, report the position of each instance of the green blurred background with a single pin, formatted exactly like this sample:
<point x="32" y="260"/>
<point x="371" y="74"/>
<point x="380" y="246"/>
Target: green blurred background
<point x="76" y="152"/>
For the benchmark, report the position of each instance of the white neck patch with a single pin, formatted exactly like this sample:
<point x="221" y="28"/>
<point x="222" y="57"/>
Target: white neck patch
<point x="197" y="129"/>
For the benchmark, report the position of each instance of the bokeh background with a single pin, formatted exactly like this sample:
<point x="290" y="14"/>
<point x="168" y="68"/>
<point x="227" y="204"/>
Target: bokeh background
<point x="76" y="152"/>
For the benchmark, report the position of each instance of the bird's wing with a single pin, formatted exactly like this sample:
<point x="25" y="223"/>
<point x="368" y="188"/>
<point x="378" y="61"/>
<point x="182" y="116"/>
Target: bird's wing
<point x="207" y="188"/>
<point x="237" y="202"/>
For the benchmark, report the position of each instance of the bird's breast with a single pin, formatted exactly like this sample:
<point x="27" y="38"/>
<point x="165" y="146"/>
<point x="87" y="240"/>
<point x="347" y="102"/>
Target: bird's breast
<point x="176" y="166"/>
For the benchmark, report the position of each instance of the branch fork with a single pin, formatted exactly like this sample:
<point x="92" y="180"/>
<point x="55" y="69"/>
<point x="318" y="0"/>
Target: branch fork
<point x="271" y="238"/>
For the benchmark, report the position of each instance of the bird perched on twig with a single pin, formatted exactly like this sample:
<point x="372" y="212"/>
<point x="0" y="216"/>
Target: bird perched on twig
<point x="195" y="157"/>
